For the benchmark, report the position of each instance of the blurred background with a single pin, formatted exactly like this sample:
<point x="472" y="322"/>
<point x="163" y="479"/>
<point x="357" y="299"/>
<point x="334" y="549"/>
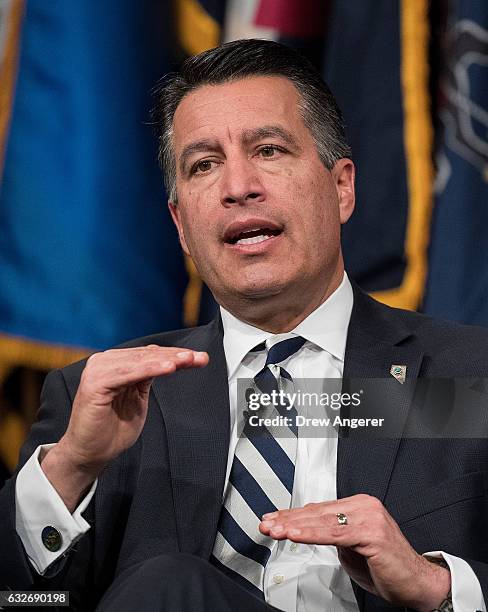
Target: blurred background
<point x="88" y="254"/>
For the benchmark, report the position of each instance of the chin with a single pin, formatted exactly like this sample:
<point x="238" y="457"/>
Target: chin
<point x="260" y="290"/>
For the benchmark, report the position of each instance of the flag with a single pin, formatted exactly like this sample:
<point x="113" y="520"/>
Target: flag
<point x="88" y="253"/>
<point x="458" y="275"/>
<point x="377" y="65"/>
<point x="89" y="256"/>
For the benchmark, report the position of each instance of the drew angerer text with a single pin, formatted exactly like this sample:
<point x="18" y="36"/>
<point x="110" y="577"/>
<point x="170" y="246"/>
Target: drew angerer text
<point x="302" y="421"/>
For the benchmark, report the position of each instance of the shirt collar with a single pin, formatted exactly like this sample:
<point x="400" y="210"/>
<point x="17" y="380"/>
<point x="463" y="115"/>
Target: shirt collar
<point x="326" y="327"/>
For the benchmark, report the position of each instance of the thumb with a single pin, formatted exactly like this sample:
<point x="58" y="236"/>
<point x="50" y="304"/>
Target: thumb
<point x="144" y="387"/>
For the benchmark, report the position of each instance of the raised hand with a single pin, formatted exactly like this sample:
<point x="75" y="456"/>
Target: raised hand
<point x="109" y="411"/>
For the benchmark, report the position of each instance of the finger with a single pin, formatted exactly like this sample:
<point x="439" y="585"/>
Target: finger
<point x="140" y="353"/>
<point x="307" y="510"/>
<point x="363" y="532"/>
<point x="364" y="520"/>
<point x="317" y="533"/>
<point x="310" y="511"/>
<point x="144" y="387"/>
<point x="293" y="531"/>
<point x="104" y="370"/>
<point x="333" y="507"/>
<point x="277" y="527"/>
<point x="198" y="359"/>
<point x="182" y="357"/>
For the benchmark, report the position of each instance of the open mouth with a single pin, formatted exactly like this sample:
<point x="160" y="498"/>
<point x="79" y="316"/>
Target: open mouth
<point x="253" y="236"/>
<point x="251" y="231"/>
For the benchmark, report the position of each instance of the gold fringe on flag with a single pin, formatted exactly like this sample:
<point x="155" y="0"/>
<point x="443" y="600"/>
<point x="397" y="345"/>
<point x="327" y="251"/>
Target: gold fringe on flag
<point x="418" y="143"/>
<point x="21" y="352"/>
<point x="17" y="351"/>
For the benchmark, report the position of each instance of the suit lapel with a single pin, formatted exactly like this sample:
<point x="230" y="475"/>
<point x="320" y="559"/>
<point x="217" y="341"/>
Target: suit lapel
<point x="376" y="341"/>
<point x="195" y="408"/>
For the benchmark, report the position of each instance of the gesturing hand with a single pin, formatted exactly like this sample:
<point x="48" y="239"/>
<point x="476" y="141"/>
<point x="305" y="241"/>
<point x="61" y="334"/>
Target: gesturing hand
<point x="109" y="411"/>
<point x="371" y="548"/>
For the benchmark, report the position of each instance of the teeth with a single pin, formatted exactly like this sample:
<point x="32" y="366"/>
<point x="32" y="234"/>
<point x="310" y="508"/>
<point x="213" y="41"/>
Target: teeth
<point x="253" y="240"/>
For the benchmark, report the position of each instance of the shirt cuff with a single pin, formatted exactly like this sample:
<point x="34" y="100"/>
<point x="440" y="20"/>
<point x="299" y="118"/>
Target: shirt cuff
<point x="38" y="505"/>
<point x="465" y="587"/>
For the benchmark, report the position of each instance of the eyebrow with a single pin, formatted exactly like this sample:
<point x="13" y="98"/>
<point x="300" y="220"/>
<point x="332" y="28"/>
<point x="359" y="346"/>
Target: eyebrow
<point x="248" y="138"/>
<point x="199" y="146"/>
<point x="269" y="131"/>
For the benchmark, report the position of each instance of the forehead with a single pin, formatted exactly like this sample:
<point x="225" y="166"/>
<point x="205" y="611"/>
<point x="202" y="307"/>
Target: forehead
<point x="230" y="108"/>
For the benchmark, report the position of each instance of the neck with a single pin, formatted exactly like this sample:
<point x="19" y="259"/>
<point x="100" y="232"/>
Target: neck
<point x="281" y="313"/>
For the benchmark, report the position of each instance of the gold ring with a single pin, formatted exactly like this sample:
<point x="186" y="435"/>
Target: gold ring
<point x="341" y="518"/>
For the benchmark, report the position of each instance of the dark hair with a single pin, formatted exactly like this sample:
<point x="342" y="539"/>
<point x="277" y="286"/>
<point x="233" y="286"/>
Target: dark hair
<point x="241" y="59"/>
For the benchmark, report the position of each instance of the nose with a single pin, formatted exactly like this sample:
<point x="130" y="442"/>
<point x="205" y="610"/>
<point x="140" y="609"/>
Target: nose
<point x="241" y="183"/>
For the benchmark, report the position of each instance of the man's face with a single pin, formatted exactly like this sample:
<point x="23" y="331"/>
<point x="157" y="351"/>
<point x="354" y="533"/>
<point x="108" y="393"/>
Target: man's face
<point x="257" y="210"/>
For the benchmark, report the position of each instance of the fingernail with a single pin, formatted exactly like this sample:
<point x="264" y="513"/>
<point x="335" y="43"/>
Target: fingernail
<point x="268" y="524"/>
<point x="183" y="354"/>
<point x="277" y="529"/>
<point x="269" y="515"/>
<point x="295" y="532"/>
<point x="166" y="364"/>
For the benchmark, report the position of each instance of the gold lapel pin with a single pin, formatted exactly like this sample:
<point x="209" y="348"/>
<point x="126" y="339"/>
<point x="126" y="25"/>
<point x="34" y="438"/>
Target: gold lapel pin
<point x="399" y="372"/>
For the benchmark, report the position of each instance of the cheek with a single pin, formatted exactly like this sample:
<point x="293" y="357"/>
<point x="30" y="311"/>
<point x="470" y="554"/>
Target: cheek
<point x="319" y="221"/>
<point x="197" y="222"/>
<point x="195" y="211"/>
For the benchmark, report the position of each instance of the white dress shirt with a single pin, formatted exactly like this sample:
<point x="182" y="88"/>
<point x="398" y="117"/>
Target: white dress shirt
<point x="298" y="577"/>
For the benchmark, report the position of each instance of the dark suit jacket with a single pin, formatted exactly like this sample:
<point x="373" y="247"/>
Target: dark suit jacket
<point x="164" y="494"/>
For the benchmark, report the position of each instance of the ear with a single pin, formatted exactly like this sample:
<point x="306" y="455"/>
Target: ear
<point x="343" y="173"/>
<point x="176" y="216"/>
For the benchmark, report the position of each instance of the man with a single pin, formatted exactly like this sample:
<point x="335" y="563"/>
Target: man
<point x="136" y="487"/>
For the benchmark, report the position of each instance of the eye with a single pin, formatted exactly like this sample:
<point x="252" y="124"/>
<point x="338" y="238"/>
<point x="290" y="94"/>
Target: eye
<point x="202" y="166"/>
<point x="269" y="151"/>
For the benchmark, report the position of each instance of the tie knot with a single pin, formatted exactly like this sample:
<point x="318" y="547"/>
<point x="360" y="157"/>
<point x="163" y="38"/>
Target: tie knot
<point x="282" y="350"/>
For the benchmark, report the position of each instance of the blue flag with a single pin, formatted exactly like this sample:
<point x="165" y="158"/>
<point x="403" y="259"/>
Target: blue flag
<point x="88" y="253"/>
<point x="458" y="278"/>
<point x="377" y="65"/>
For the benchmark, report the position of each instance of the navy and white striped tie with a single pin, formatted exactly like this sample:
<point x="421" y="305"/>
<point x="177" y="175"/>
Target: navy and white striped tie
<point x="260" y="481"/>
